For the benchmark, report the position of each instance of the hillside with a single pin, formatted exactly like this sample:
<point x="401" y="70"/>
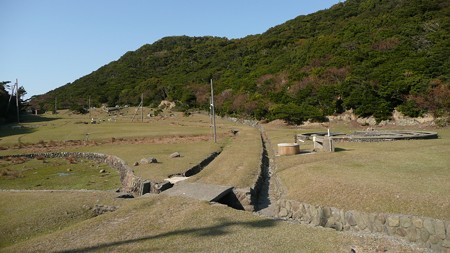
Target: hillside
<point x="369" y="55"/>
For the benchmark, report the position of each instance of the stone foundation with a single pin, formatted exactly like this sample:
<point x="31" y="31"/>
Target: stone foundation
<point x="427" y="232"/>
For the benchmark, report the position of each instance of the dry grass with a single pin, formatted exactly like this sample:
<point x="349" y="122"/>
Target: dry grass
<point x="24" y="215"/>
<point x="168" y="224"/>
<point x="49" y="222"/>
<point x="239" y="163"/>
<point x="408" y="177"/>
<point x="157" y="137"/>
<point x="65" y="127"/>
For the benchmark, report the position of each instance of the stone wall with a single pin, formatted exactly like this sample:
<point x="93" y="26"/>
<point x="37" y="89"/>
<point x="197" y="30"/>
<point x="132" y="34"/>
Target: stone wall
<point x="427" y="232"/>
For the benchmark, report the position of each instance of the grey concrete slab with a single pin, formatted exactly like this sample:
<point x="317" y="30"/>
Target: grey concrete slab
<point x="199" y="191"/>
<point x="176" y="179"/>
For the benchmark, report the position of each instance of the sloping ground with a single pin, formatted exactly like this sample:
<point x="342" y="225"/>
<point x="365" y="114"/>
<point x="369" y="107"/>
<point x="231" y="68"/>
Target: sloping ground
<point x="27" y="214"/>
<point x="239" y="163"/>
<point x="407" y="177"/>
<point x="169" y="224"/>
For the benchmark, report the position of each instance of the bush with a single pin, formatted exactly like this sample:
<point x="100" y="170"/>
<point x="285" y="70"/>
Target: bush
<point x="411" y="109"/>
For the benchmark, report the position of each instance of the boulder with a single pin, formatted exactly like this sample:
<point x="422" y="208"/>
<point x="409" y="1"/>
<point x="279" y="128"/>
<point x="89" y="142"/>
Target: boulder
<point x="175" y="155"/>
<point x="148" y="160"/>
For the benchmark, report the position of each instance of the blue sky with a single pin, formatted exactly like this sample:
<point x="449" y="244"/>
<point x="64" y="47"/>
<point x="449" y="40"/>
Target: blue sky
<point x="48" y="43"/>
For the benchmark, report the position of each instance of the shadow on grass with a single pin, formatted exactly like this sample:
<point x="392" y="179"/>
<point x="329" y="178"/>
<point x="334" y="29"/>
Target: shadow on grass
<point x="10" y="130"/>
<point x="341" y="150"/>
<point x="211" y="231"/>
<point x="15" y="129"/>
<point x="30" y="118"/>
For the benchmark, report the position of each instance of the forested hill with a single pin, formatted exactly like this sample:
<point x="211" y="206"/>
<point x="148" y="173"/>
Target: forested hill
<point x="369" y="55"/>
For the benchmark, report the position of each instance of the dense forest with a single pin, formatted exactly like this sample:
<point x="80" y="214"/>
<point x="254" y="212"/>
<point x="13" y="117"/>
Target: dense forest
<point x="372" y="56"/>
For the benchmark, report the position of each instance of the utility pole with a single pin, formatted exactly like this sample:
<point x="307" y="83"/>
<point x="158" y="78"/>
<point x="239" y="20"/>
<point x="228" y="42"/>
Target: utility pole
<point x="142" y="107"/>
<point x="213" y="114"/>
<point x="89" y="107"/>
<point x="56" y="102"/>
<point x="17" y="99"/>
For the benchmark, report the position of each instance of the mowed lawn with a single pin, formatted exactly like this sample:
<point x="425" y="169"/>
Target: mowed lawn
<point x="407" y="177"/>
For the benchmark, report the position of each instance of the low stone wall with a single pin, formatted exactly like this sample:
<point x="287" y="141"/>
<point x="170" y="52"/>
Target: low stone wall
<point x="427" y="232"/>
<point x="130" y="182"/>
<point x="199" y="167"/>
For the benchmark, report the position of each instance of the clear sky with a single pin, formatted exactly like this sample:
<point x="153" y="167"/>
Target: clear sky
<point x="48" y="43"/>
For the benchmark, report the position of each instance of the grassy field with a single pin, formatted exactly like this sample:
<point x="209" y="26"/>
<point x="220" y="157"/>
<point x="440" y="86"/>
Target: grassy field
<point x="157" y="137"/>
<point x="65" y="126"/>
<point x="408" y="177"/>
<point x="239" y="163"/>
<point x="160" y="223"/>
<point x="24" y="215"/>
<point x="53" y="174"/>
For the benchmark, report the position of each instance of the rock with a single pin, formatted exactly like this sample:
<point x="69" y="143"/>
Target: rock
<point x="148" y="160"/>
<point x="326" y="212"/>
<point x="288" y="205"/>
<point x="337" y="226"/>
<point x="174" y="155"/>
<point x="393" y="221"/>
<point x="102" y="171"/>
<point x="401" y="232"/>
<point x="412" y="234"/>
<point x="295" y="207"/>
<point x="405" y="222"/>
<point x="283" y="212"/>
<point x="362" y="220"/>
<point x="440" y="229"/>
<point x="297" y="215"/>
<point x="434" y="239"/>
<point x="350" y="219"/>
<point x="446" y="244"/>
<point x="101" y="209"/>
<point x="429" y="226"/>
<point x="417" y="222"/>
<point x="448" y="229"/>
<point x="424" y="235"/>
<point x="381" y="218"/>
